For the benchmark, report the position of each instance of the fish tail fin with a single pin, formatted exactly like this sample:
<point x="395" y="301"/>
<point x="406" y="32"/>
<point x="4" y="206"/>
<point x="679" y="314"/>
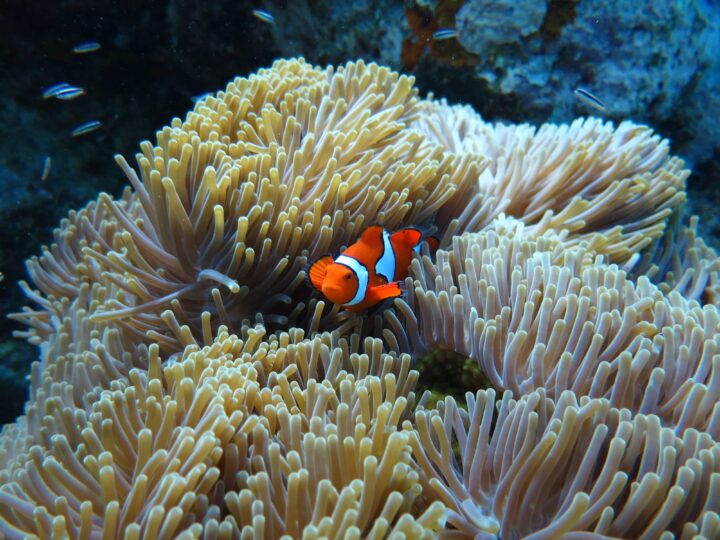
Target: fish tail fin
<point x="433" y="243"/>
<point x="429" y="237"/>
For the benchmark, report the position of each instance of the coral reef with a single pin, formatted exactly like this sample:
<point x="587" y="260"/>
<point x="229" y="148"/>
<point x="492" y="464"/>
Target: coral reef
<point x="478" y="22"/>
<point x="614" y="49"/>
<point x="617" y="51"/>
<point x="190" y="385"/>
<point x="651" y="61"/>
<point x="535" y="314"/>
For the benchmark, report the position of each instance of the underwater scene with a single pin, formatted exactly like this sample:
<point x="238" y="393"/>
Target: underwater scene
<point x="366" y="269"/>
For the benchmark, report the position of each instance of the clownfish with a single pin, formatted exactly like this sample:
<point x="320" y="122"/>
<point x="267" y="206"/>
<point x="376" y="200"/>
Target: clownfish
<point x="369" y="271"/>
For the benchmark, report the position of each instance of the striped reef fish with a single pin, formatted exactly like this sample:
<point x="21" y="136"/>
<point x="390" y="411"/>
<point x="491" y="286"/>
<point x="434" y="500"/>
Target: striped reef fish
<point x="87" y="127"/>
<point x="264" y="16"/>
<point x="86" y="47"/>
<point x="588" y="99"/>
<point x="69" y="93"/>
<point x="53" y="90"/>
<point x="369" y="271"/>
<point x="445" y="33"/>
<point x="47" y="163"/>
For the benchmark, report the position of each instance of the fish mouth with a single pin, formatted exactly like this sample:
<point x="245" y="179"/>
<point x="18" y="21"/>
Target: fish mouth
<point x="333" y="292"/>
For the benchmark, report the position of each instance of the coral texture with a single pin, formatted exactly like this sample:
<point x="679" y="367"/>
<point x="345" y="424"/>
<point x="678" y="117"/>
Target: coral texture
<point x="642" y="57"/>
<point x="190" y="385"/>
<point x="652" y="60"/>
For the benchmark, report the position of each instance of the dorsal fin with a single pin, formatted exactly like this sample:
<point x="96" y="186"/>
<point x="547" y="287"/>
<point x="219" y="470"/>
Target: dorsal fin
<point x="372" y="235"/>
<point x="410" y="236"/>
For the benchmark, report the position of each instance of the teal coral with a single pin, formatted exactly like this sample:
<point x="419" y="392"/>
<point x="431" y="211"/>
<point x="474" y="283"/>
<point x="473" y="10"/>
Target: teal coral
<point x="190" y="386"/>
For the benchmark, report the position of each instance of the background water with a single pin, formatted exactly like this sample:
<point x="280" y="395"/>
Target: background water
<point x="652" y="61"/>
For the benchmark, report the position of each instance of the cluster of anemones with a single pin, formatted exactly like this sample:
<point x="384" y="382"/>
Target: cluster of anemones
<point x="190" y="384"/>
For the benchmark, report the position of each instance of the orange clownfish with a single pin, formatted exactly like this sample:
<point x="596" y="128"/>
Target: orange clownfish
<point x="370" y="270"/>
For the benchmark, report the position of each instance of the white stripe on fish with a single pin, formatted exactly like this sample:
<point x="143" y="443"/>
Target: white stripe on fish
<point x="50" y="92"/>
<point x="362" y="277"/>
<point x="385" y="266"/>
<point x="66" y="94"/>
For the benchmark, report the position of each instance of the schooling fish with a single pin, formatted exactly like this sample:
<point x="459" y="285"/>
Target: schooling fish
<point x="53" y="91"/>
<point x="370" y="270"/>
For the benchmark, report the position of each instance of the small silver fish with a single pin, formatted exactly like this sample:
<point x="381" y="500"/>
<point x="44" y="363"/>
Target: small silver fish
<point x="87" y="127"/>
<point x="71" y="92"/>
<point x="588" y="99"/>
<point x="50" y="92"/>
<point x="264" y="16"/>
<point x="86" y="47"/>
<point x="445" y="33"/>
<point x="46" y="168"/>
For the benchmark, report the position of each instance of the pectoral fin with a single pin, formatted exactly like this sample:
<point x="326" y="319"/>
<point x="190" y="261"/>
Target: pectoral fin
<point x="389" y="290"/>
<point x="315" y="271"/>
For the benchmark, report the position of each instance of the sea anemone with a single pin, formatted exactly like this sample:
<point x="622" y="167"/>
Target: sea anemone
<point x="538" y="468"/>
<point x="269" y="434"/>
<point x="534" y="313"/>
<point x="612" y="186"/>
<point x="190" y="385"/>
<point x="288" y="164"/>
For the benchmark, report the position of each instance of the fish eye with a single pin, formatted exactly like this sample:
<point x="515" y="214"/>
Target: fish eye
<point x="348" y="275"/>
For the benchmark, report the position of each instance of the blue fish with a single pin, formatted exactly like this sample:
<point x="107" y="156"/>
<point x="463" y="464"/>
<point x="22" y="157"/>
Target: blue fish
<point x="445" y="33"/>
<point x="53" y="90"/>
<point x="86" y="47"/>
<point x="66" y="94"/>
<point x="87" y="127"/>
<point x="264" y="16"/>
